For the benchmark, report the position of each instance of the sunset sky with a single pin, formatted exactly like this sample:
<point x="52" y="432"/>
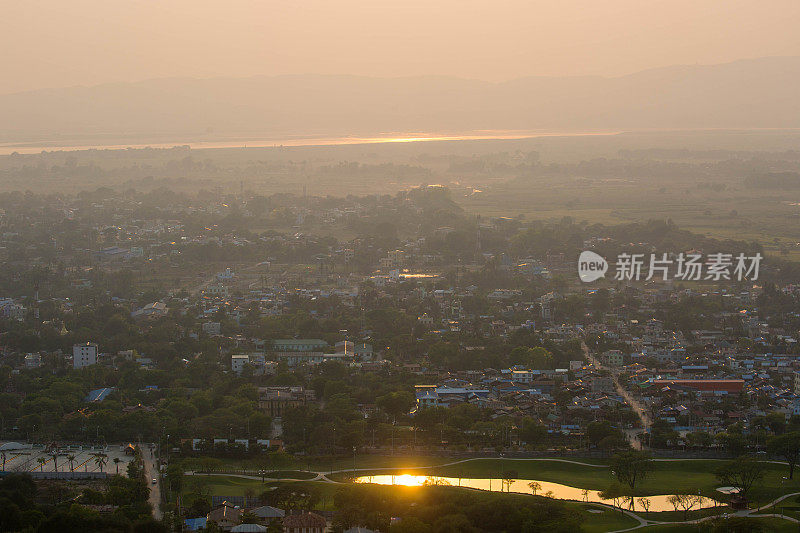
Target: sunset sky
<point x="55" y="43"/>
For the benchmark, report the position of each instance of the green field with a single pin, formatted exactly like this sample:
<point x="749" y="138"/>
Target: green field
<point x="686" y="476"/>
<point x="683" y="476"/>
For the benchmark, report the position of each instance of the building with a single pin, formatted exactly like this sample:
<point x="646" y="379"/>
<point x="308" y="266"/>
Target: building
<point x="212" y="328"/>
<point x="276" y="400"/>
<point x="435" y="396"/>
<point x="238" y="362"/>
<point x="704" y="386"/>
<point x="151" y="310"/>
<point x="298" y="345"/>
<point x="98" y="395"/>
<point x="363" y="351"/>
<point x="195" y="524"/>
<point x="304" y="523"/>
<point x="612" y="358"/>
<point x="249" y="528"/>
<point x="216" y="291"/>
<point x="267" y="514"/>
<point x="226" y="516"/>
<point x="294" y="359"/>
<point x="33" y="360"/>
<point x="84" y="355"/>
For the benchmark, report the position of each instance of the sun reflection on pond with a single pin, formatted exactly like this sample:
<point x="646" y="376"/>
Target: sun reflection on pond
<point x="656" y="503"/>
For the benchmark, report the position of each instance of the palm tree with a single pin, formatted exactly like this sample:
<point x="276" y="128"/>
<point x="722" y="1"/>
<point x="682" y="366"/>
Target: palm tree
<point x="54" y="455"/>
<point x="41" y="461"/>
<point x="3" y="455"/>
<point x="100" y="459"/>
<point x="71" y="459"/>
<point x="117" y="461"/>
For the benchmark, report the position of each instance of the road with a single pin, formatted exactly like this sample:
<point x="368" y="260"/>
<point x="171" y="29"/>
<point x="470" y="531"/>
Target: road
<point x="634" y="404"/>
<point x="151" y="472"/>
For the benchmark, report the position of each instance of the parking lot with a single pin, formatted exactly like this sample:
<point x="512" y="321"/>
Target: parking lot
<point x="76" y="458"/>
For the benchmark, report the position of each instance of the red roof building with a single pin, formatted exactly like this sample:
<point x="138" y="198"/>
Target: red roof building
<point x="708" y="386"/>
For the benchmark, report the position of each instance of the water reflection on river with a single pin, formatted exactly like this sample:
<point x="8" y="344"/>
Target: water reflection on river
<point x="522" y="486"/>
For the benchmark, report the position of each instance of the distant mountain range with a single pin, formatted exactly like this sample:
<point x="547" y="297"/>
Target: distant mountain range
<point x="757" y="93"/>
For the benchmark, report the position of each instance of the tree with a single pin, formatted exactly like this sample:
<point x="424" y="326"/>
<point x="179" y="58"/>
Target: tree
<point x="41" y="461"/>
<point x="603" y="430"/>
<point x="616" y="493"/>
<point x="71" y="459"/>
<point x="742" y="473"/>
<point x="395" y="404"/>
<point x="631" y="466"/>
<point x="535" y="487"/>
<point x="532" y="432"/>
<point x="117" y="461"/>
<point x="100" y="460"/>
<point x="685" y="502"/>
<point x="788" y="447"/>
<point x="645" y="504"/>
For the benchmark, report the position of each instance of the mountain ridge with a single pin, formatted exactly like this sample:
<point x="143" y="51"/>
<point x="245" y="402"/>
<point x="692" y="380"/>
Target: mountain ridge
<point x="748" y="93"/>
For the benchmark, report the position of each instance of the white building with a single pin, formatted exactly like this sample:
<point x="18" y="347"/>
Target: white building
<point x="238" y="362"/>
<point x="84" y="355"/>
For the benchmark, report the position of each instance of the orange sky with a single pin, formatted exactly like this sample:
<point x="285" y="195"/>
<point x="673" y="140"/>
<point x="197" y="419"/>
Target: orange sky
<point x="53" y="43"/>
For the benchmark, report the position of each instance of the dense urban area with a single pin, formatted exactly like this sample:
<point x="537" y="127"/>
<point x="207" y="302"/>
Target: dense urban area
<point x="244" y="362"/>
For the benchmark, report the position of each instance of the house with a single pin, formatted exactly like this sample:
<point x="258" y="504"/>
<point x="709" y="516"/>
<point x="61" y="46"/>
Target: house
<point x="112" y="254"/>
<point x="249" y="528"/>
<point x="238" y="362"/>
<point x="151" y="310"/>
<point x="195" y="524"/>
<point x="704" y="386"/>
<point x="98" y="395"/>
<point x="211" y="328"/>
<point x="363" y="351"/>
<point x="304" y="523"/>
<point x="84" y="355"/>
<point x="226" y="516"/>
<point x="33" y="360"/>
<point x="10" y="309"/>
<point x="267" y="513"/>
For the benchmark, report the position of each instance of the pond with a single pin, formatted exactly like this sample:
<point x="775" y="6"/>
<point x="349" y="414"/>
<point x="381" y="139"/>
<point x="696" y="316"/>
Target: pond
<point x="558" y="491"/>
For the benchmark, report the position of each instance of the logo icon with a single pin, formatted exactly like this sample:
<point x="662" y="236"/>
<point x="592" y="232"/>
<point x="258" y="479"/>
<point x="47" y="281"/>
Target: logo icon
<point x="591" y="266"/>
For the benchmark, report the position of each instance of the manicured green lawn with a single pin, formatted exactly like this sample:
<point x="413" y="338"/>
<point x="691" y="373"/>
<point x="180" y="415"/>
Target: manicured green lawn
<point x="668" y="477"/>
<point x="605" y="520"/>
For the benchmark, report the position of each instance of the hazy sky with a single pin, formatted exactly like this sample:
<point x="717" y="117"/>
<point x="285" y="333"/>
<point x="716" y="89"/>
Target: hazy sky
<point x="53" y="43"/>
